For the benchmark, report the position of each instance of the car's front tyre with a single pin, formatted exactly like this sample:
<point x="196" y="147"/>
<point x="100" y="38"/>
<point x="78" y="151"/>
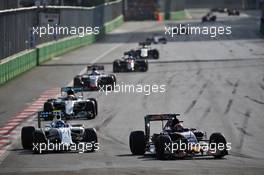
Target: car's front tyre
<point x="137" y="143"/>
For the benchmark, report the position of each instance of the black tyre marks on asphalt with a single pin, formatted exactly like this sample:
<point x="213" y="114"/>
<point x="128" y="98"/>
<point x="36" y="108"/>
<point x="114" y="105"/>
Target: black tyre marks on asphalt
<point x="190" y="107"/>
<point x="254" y="100"/>
<point x="105" y="136"/>
<point x="204" y="116"/>
<point x="199" y="72"/>
<point x="235" y="87"/>
<point x="243" y="129"/>
<point x="193" y="103"/>
<point x="234" y="90"/>
<point x="228" y="107"/>
<point x="105" y="122"/>
<point x="261" y="86"/>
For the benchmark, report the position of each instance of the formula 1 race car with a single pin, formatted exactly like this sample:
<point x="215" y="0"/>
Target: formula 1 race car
<point x="95" y="80"/>
<point x="130" y="64"/>
<point x="175" y="141"/>
<point x="143" y="52"/>
<point x="157" y="39"/>
<point x="58" y="136"/>
<point x="71" y="105"/>
<point x="209" y="17"/>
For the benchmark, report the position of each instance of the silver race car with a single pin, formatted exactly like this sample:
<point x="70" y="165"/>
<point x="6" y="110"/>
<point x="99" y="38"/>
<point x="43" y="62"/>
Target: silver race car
<point x="58" y="136"/>
<point x="93" y="80"/>
<point x="72" y="105"/>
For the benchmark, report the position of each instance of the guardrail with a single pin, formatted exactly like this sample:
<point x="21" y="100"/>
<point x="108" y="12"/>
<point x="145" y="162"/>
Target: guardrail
<point x="17" y="64"/>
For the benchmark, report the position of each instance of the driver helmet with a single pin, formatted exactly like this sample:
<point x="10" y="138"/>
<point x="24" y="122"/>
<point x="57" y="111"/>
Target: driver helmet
<point x="176" y="124"/>
<point x="59" y="124"/>
<point x="70" y="94"/>
<point x="130" y="57"/>
<point x="94" y="71"/>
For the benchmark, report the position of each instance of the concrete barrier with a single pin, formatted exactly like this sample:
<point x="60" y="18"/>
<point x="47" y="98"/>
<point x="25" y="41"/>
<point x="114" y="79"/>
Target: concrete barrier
<point x="13" y="66"/>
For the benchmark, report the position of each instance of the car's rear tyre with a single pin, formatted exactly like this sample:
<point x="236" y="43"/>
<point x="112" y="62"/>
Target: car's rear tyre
<point x="142" y="66"/>
<point x="90" y="136"/>
<point x="27" y="137"/>
<point x="155" y="54"/>
<point x="216" y="139"/>
<point x="137" y="143"/>
<point x="91" y="110"/>
<point x="77" y="82"/>
<point x="116" y="67"/>
<point x="160" y="146"/>
<point x="95" y="105"/>
<point x="48" y="107"/>
<point x="39" y="138"/>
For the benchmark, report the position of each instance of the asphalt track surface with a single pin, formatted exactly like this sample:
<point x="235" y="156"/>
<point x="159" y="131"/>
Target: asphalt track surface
<point x="217" y="85"/>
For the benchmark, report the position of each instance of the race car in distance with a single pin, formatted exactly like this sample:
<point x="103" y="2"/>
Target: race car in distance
<point x="169" y="143"/>
<point x="71" y="105"/>
<point x="233" y="12"/>
<point x="209" y="17"/>
<point x="156" y="39"/>
<point x="130" y="64"/>
<point x="95" y="80"/>
<point x="143" y="52"/>
<point x="59" y="133"/>
<point x="230" y="12"/>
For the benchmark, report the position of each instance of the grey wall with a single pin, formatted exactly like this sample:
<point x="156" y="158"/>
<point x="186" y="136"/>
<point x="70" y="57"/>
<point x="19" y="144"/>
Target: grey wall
<point x="171" y="5"/>
<point x="8" y="4"/>
<point x="15" y="25"/>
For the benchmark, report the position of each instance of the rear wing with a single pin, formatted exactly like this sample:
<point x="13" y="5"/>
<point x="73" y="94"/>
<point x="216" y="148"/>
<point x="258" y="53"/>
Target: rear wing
<point x="130" y="53"/>
<point x="74" y="89"/>
<point x="157" y="117"/>
<point x="146" y="43"/>
<point x="95" y="66"/>
<point x="160" y="117"/>
<point x="44" y="115"/>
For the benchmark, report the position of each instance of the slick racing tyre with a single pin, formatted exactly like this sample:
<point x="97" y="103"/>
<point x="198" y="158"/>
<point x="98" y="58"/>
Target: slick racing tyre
<point x="27" y="137"/>
<point x="154" y="54"/>
<point x="77" y="82"/>
<point x="90" y="136"/>
<point x="95" y="105"/>
<point x="48" y="107"/>
<point x="114" y="81"/>
<point x="162" y="141"/>
<point x="137" y="143"/>
<point x="91" y="109"/>
<point x="116" y="67"/>
<point x="38" y="139"/>
<point x="214" y="141"/>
